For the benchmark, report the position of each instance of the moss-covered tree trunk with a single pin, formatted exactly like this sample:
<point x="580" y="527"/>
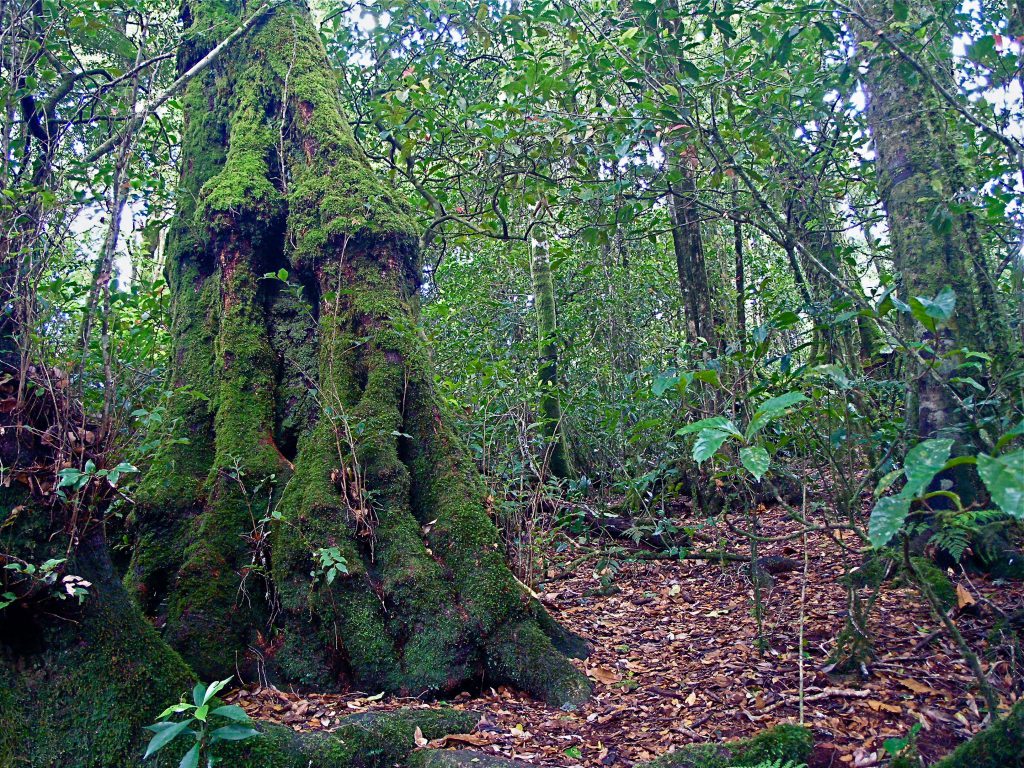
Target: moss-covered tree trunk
<point x="556" y="457"/>
<point x="933" y="244"/>
<point x="315" y="516"/>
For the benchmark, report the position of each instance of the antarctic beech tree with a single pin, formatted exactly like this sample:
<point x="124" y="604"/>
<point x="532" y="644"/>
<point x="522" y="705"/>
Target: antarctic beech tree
<point x="315" y="515"/>
<point x="933" y="246"/>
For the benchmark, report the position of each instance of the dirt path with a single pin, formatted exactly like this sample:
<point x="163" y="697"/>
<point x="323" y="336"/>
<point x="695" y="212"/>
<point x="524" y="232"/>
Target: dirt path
<point x="676" y="660"/>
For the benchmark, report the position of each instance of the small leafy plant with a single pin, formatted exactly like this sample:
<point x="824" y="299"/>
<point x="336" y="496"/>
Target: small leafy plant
<point x="48" y="574"/>
<point x="77" y="479"/>
<point x="714" y="432"/>
<point x="1003" y="475"/>
<point x="201" y="724"/>
<point x="330" y="564"/>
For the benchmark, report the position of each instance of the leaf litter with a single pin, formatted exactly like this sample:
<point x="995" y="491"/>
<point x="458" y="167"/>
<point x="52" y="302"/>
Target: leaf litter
<point x="676" y="660"/>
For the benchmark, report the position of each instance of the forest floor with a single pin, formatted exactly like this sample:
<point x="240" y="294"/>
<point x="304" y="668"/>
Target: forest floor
<point x="676" y="660"/>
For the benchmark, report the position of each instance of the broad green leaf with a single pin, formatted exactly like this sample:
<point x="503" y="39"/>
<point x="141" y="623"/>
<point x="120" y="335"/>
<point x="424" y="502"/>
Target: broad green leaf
<point x="165" y="736"/>
<point x="771" y="409"/>
<point x="923" y="462"/>
<point x="715" y="422"/>
<point x="887" y="480"/>
<point x="181" y="706"/>
<point x="887" y="518"/>
<point x="191" y="758"/>
<point x="708" y="443"/>
<point x="233" y="733"/>
<point x="664" y="382"/>
<point x="232" y="712"/>
<point x="198" y="693"/>
<point x="214" y="689"/>
<point x="1004" y="478"/>
<point x="708" y="376"/>
<point x="938" y="309"/>
<point x="756" y="460"/>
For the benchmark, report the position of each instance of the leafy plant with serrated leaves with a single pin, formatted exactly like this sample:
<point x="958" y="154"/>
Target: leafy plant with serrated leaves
<point x="713" y="433"/>
<point x="206" y="724"/>
<point x="776" y="763"/>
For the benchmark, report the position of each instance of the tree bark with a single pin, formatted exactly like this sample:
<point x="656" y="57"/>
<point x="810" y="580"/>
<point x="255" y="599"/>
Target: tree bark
<point x="316" y="516"/>
<point x="703" y="321"/>
<point x="920" y="173"/>
<point x="556" y="457"/>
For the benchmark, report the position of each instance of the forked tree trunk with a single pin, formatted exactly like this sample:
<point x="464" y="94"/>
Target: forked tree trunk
<point x="316" y="515"/>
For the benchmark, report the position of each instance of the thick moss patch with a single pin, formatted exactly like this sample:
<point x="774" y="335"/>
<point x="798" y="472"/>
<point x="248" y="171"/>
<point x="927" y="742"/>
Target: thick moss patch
<point x="783" y="742"/>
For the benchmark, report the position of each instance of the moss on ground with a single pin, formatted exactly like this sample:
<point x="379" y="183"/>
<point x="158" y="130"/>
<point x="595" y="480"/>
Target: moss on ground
<point x="782" y="742"/>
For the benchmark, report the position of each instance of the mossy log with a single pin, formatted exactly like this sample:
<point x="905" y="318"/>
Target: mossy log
<point x="316" y="516"/>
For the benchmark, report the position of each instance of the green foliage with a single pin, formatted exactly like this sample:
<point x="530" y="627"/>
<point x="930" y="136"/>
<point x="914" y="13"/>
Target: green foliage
<point x="330" y="564"/>
<point x="204" y="722"/>
<point x="1003" y="476"/>
<point x="785" y="744"/>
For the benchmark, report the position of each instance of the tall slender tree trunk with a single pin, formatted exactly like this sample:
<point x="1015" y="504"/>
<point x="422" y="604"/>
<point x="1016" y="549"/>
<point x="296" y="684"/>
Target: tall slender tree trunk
<point x="920" y="174"/>
<point x="556" y="456"/>
<point x="703" y="318"/>
<point x="811" y="222"/>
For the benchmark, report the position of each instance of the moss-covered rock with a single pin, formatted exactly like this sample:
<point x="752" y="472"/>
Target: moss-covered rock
<point x="1001" y="745"/>
<point x="459" y="758"/>
<point x="781" y="742"/>
<point x="372" y="740"/>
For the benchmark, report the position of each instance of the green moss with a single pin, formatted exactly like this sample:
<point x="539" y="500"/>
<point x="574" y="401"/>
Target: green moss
<point x="334" y="193"/>
<point x="241" y="195"/>
<point x="1001" y="745"/>
<point x="937" y="581"/>
<point x="372" y="740"/>
<point x="173" y="485"/>
<point x="87" y="693"/>
<point x="293" y="339"/>
<point x="782" y="742"/>
<point x="523" y="654"/>
<point x="871" y="573"/>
